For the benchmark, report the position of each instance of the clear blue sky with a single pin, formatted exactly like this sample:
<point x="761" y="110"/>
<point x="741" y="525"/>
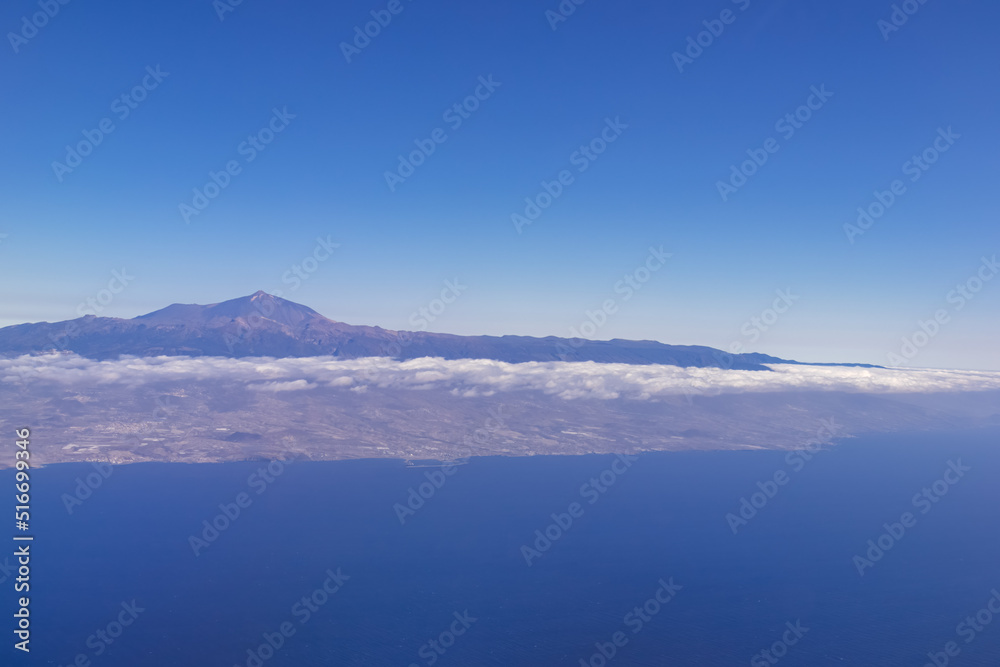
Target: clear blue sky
<point x="323" y="175"/>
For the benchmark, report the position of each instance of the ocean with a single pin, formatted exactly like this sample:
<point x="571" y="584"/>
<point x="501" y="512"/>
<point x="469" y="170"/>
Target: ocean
<point x="867" y="553"/>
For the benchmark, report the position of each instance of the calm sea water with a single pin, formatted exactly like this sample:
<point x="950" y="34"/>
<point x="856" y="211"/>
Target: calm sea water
<point x="664" y="517"/>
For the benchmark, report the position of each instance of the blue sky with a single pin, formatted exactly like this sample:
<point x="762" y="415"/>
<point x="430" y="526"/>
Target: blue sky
<point x="323" y="175"/>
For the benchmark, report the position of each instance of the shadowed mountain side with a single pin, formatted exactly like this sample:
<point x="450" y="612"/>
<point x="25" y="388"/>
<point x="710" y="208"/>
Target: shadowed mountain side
<point x="262" y="325"/>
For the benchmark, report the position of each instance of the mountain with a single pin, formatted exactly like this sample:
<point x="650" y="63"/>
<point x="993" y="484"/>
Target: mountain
<point x="263" y="325"/>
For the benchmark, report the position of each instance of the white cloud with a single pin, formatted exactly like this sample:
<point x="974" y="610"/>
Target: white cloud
<point x="294" y="385"/>
<point x="480" y="377"/>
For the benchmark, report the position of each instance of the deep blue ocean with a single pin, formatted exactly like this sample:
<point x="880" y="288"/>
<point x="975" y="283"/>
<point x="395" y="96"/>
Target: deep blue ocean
<point x="455" y="572"/>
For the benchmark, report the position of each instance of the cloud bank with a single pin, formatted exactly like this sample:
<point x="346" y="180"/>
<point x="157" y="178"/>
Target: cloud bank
<point x="481" y="377"/>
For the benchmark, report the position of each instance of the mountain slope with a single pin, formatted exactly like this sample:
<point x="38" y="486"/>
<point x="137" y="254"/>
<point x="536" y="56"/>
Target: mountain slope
<point x="265" y="325"/>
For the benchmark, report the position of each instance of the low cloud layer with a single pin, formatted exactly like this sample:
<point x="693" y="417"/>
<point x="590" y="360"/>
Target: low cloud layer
<point x="479" y="377"/>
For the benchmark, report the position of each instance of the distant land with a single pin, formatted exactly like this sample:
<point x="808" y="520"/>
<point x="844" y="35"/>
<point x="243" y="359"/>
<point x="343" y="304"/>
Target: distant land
<point x="260" y="377"/>
<point x="263" y="325"/>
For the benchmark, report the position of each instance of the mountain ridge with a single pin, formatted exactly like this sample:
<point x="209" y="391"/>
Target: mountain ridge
<point x="265" y="325"/>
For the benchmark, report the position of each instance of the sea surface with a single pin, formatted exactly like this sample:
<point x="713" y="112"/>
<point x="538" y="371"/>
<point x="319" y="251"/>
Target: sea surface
<point x="398" y="585"/>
